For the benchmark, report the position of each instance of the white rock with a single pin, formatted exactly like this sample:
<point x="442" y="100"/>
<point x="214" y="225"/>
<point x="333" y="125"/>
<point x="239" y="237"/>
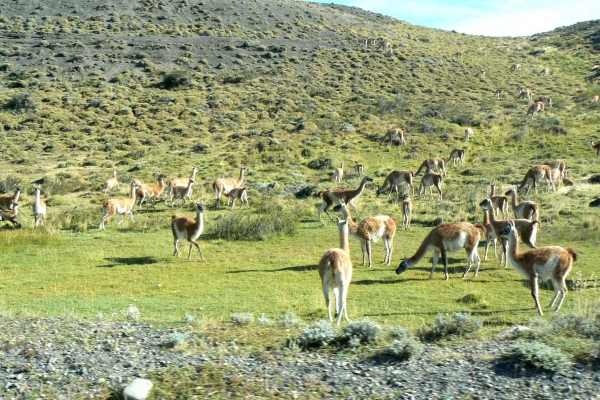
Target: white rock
<point x="138" y="389"/>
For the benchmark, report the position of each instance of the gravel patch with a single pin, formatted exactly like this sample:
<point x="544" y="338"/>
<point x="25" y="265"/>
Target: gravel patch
<point x="67" y="359"/>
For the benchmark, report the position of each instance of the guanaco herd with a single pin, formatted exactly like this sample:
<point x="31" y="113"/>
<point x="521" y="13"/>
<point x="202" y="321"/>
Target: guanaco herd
<point x="335" y="267"/>
<point x="544" y="263"/>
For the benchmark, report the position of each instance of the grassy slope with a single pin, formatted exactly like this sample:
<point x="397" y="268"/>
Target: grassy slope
<point x="286" y="103"/>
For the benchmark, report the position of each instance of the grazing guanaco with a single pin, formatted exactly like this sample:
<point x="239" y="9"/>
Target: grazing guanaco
<point x="386" y="45"/>
<point x="119" y="205"/>
<point x="481" y="73"/>
<point x="179" y="192"/>
<point x="525" y="93"/>
<point x="7" y="201"/>
<point x="596" y="146"/>
<point x="152" y="191"/>
<point x="595" y="99"/>
<point x="407" y="207"/>
<point x="429" y="180"/>
<point x="368" y="41"/>
<point x="110" y="182"/>
<point x="458" y="54"/>
<point x="432" y="162"/>
<point x="457" y="156"/>
<point x="371" y="229"/>
<point x="183" y="182"/>
<point x="545" y="71"/>
<point x="536" y="174"/>
<point x="568" y="181"/>
<point x="11" y="215"/>
<point x="519" y="90"/>
<point x="499" y="202"/>
<point x="396" y="134"/>
<point x="547" y="100"/>
<point x="39" y="208"/>
<point x="237" y="193"/>
<point x="525" y="209"/>
<point x="187" y="228"/>
<point x="560" y="165"/>
<point x="226" y="184"/>
<point x="395" y="179"/>
<point x="542" y="263"/>
<point x="499" y="93"/>
<point x="515" y="67"/>
<point x="526" y="229"/>
<point x="447" y="238"/>
<point x="359" y="169"/>
<point x="339" y="173"/>
<point x="335" y="270"/>
<point x="535" y="107"/>
<point x="334" y="196"/>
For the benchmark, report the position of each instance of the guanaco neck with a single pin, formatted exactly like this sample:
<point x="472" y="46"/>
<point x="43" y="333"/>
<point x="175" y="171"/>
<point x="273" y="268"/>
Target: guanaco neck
<point x="492" y="190"/>
<point x="194" y="170"/>
<point x="421" y="251"/>
<point x="343" y="230"/>
<point x="513" y="245"/>
<point x="133" y="192"/>
<point x="37" y="196"/>
<point x="360" y="189"/>
<point x="352" y="226"/>
<point x="486" y="216"/>
<point x="241" y="178"/>
<point x="513" y="197"/>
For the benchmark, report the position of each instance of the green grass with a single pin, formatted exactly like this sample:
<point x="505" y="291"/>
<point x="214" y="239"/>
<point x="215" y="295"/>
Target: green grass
<point x="82" y="274"/>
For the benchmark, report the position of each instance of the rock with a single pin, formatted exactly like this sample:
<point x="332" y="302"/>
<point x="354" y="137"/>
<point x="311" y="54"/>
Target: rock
<point x="138" y="389"/>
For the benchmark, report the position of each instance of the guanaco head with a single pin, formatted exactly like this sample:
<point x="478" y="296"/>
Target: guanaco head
<point x="486" y="203"/>
<point x="402" y="267"/>
<point x="199" y="207"/>
<point x="507" y="230"/>
<point x="510" y="192"/>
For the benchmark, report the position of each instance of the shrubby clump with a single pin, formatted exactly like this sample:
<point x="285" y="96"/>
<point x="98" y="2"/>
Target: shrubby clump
<point x="362" y="332"/>
<point x="269" y="220"/>
<point x="537" y="355"/>
<point x="242" y="318"/>
<point x="321" y="334"/>
<point x="403" y="349"/>
<point x="289" y="319"/>
<point x="174" y="339"/>
<point x="444" y="325"/>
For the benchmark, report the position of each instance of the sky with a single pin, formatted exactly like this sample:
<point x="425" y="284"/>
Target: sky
<point x="485" y="17"/>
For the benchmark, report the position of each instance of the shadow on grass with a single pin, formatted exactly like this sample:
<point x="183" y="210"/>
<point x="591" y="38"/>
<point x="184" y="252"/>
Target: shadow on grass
<point x="128" y="261"/>
<point x="300" y="268"/>
<point x="469" y="311"/>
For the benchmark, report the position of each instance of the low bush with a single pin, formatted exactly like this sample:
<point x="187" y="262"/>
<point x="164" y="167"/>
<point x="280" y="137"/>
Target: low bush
<point x="321" y="334"/>
<point x="242" y="318"/>
<point x="537" y="355"/>
<point x="402" y="349"/>
<point x="321" y="163"/>
<point x="444" y="325"/>
<point x="362" y="332"/>
<point x="175" y="79"/>
<point x="270" y="220"/>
